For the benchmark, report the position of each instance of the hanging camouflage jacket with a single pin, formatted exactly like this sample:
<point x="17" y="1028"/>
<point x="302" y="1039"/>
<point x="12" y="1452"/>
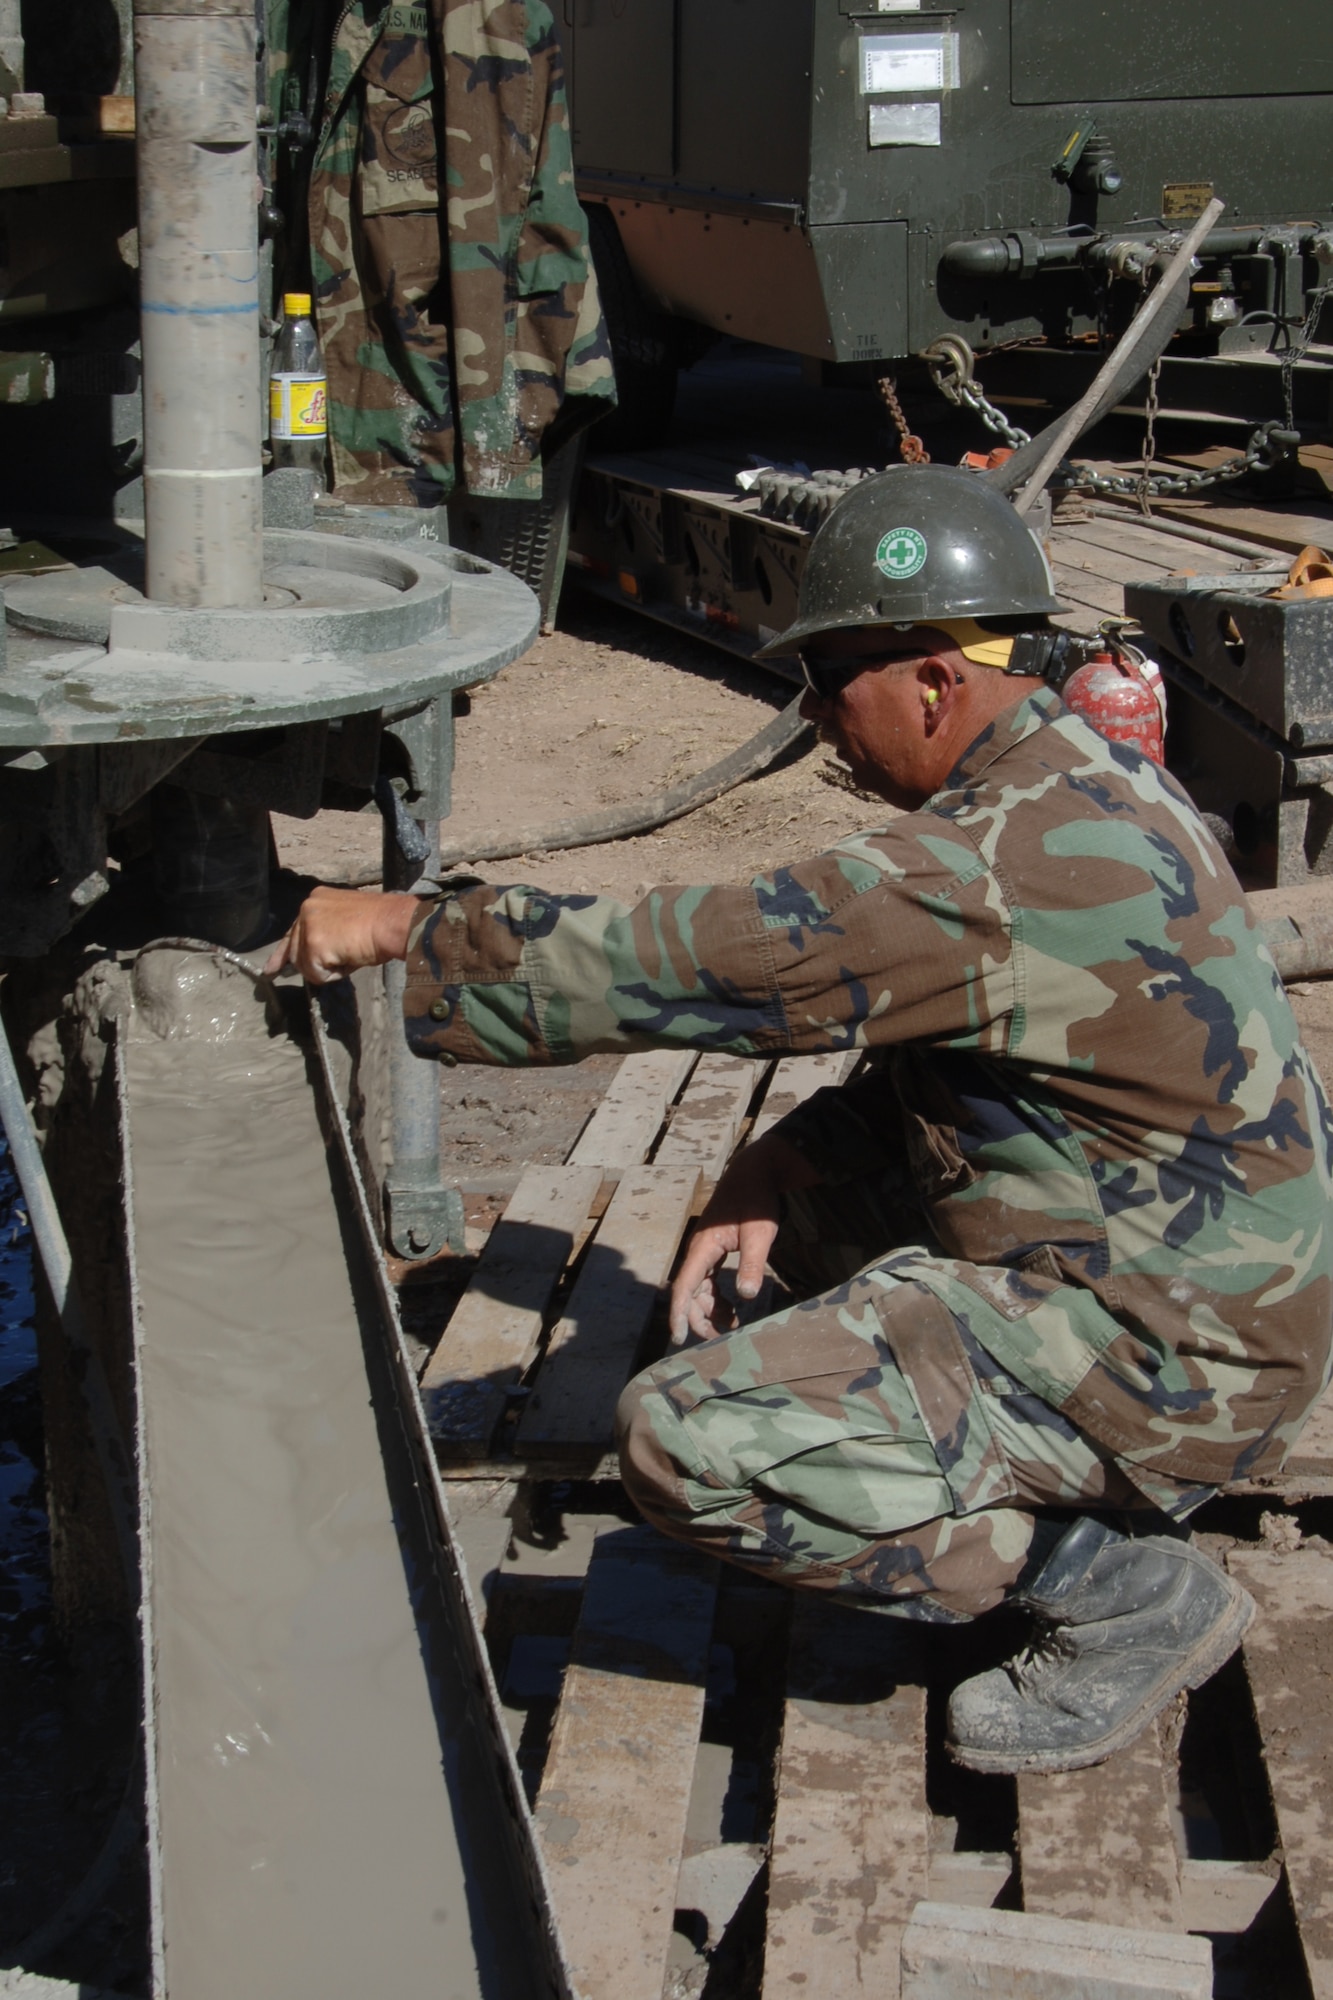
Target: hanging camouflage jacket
<point x="453" y="292"/>
<point x="1122" y="1148"/>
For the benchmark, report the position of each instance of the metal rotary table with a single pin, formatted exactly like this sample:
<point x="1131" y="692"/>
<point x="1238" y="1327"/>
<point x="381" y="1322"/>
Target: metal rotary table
<point x="338" y="688"/>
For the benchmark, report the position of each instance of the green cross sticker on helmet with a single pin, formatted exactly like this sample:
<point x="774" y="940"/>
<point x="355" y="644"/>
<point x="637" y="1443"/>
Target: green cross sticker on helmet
<point x="901" y="553"/>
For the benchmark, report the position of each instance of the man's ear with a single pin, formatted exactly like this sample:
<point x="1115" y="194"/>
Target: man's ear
<point x="939" y="684"/>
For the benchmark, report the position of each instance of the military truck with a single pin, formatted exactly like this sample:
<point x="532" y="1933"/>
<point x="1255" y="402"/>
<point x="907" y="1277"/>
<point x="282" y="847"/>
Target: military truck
<point x="865" y="181"/>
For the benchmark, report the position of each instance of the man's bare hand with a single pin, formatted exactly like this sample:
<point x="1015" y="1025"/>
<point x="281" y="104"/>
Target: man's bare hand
<point x="340" y="930"/>
<point x="742" y="1216"/>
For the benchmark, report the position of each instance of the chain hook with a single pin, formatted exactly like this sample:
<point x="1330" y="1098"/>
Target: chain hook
<point x="952" y="365"/>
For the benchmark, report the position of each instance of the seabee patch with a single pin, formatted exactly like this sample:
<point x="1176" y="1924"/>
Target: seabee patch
<point x="901" y="553"/>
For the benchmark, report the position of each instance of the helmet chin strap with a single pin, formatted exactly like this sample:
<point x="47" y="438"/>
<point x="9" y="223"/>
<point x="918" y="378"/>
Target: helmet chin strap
<point x="1054" y="656"/>
<point x="1047" y="656"/>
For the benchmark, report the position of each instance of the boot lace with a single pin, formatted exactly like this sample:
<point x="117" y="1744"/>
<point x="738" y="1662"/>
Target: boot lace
<point x="1048" y="1648"/>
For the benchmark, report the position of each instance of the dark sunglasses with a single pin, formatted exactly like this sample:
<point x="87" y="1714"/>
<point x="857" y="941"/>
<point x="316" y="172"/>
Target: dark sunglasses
<point x="826" y="678"/>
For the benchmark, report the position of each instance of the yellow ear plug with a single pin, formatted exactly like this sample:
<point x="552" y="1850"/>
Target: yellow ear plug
<point x="932" y="696"/>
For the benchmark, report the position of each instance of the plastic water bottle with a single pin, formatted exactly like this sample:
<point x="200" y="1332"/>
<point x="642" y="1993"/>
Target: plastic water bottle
<point x="298" y="393"/>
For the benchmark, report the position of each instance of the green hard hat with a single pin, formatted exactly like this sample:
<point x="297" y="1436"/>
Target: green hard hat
<point x="915" y="543"/>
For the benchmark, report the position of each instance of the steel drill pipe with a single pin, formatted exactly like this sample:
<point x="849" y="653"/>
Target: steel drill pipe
<point x="194" y="65"/>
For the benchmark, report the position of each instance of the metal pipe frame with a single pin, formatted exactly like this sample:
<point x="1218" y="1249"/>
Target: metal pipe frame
<point x="194" y="63"/>
<point x="1021" y="253"/>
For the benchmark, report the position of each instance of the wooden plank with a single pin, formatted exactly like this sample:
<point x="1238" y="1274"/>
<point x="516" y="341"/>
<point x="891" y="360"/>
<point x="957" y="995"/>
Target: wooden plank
<point x="497" y="1323"/>
<point x="465" y="1472"/>
<point x="1081" y="618"/>
<point x="1085" y="559"/>
<point x="1139" y="556"/>
<point x="1078" y="587"/>
<point x="795" y="1079"/>
<point x="1226" y="1896"/>
<point x="975" y="1880"/>
<point x="595" y="1348"/>
<point x="615" y="1794"/>
<point x="621" y="1131"/>
<point x="851" y="1831"/>
<point x="689" y="471"/>
<point x="1276" y="527"/>
<point x="115" y="116"/>
<point x="1287" y="1652"/>
<point x="1098" y="1845"/>
<point x="1131" y="537"/>
<point x="1318" y="458"/>
<point x="961" y="1954"/>
<point x="709" y="1116"/>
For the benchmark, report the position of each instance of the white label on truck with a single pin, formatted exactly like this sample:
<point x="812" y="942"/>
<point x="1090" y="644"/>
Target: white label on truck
<point x="904" y="125"/>
<point x="901" y="63"/>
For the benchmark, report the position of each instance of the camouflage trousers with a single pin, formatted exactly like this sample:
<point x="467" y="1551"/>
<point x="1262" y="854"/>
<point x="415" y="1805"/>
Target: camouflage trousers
<point x="862" y="1441"/>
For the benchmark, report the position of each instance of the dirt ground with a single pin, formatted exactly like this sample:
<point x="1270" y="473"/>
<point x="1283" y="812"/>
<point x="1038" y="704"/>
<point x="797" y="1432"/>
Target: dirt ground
<point x="608" y="708"/>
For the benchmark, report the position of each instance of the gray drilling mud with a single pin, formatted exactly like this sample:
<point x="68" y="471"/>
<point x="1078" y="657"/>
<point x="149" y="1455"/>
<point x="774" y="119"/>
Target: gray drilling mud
<point x="316" y="1766"/>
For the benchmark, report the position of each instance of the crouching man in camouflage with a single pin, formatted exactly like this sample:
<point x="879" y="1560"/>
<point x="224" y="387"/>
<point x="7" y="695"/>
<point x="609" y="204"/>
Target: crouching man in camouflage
<point x="1061" y="1252"/>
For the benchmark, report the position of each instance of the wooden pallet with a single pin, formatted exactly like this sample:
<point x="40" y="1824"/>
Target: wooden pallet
<point x="852" y="1838"/>
<point x="1095" y="556"/>
<point x="610" y="1654"/>
<point x="508" y="1384"/>
<point x="1286" y="1661"/>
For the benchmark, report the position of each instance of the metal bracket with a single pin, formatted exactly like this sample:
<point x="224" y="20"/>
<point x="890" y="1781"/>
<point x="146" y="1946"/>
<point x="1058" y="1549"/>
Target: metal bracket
<point x="405" y="844"/>
<point x="421" y="1221"/>
<point x="425" y="735"/>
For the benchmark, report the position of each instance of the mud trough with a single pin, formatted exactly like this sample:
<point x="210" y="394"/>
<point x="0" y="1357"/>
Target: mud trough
<point x="332" y="1806"/>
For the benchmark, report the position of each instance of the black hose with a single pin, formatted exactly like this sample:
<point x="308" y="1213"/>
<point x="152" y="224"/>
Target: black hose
<point x="643" y="816"/>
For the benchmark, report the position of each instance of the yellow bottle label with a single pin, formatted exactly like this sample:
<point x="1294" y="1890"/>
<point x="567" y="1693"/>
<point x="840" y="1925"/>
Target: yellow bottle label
<point x="298" y="406"/>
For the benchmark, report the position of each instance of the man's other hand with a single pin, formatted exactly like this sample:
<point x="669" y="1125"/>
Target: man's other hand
<point x="743" y="1216"/>
<point x="339" y="930"/>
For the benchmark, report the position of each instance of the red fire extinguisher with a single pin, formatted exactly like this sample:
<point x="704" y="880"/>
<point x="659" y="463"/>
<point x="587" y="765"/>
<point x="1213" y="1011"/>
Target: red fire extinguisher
<point x="1120" y="693"/>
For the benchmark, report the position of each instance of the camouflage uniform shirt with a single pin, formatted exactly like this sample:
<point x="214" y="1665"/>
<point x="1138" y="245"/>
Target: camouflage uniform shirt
<point x="1121" y="1146"/>
<point x="453" y="293"/>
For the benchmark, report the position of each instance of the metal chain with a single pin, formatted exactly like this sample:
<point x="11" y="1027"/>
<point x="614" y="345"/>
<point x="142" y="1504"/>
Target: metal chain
<point x="950" y="363"/>
<point x="973" y="397"/>
<point x="910" y="448"/>
<point x="1151" y="407"/>
<point x="1267" y="448"/>
<point x="1296" y="351"/>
